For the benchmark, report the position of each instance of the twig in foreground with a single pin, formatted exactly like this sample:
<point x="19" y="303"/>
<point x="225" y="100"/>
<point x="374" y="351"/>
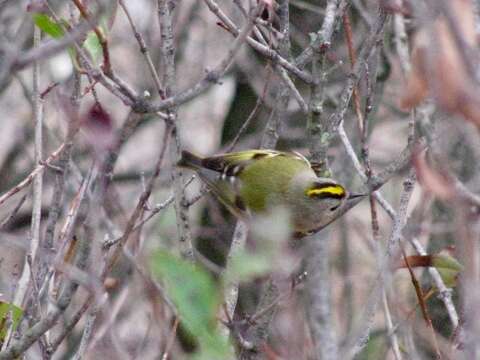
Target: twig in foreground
<point x="25" y="182"/>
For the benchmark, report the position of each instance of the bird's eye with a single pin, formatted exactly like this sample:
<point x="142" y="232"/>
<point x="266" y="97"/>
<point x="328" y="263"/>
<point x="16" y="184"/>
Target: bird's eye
<point x="333" y="208"/>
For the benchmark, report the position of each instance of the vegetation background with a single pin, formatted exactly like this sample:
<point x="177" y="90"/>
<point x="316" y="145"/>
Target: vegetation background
<point x="110" y="251"/>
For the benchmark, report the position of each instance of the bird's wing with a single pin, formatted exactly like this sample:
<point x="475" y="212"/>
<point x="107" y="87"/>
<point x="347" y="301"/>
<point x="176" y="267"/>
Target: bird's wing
<point x="221" y="174"/>
<point x="232" y="164"/>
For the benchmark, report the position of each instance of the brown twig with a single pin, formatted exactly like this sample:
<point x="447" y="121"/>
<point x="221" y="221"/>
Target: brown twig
<point x="171" y="339"/>
<point x="107" y="66"/>
<point x="31" y="335"/>
<point x="129" y="228"/>
<point x="421" y="302"/>
<point x="67" y="231"/>
<point x="353" y="59"/>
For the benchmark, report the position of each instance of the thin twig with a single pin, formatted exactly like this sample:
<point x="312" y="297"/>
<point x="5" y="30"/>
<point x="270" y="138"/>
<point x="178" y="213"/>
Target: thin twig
<point x="107" y="66"/>
<point x="129" y="228"/>
<point x="171" y="339"/>
<point x="45" y="50"/>
<point x="250" y="117"/>
<point x="239" y="240"/>
<point x="55" y="343"/>
<point x="24" y="281"/>
<point x="8" y="220"/>
<point x="322" y="40"/>
<point x="88" y="329"/>
<point x="165" y="20"/>
<point x="293" y="89"/>
<point x="118" y="249"/>
<point x="423" y="305"/>
<point x="31" y="335"/>
<point x="266" y="51"/>
<point x="27" y="181"/>
<point x="67" y="231"/>
<point x="60" y="179"/>
<point x="444" y="294"/>
<point x="391" y="329"/>
<point x="353" y="59"/>
<point x="154" y="211"/>
<point x="362" y="172"/>
<point x="143" y="49"/>
<point x="392" y="247"/>
<point x="369" y="47"/>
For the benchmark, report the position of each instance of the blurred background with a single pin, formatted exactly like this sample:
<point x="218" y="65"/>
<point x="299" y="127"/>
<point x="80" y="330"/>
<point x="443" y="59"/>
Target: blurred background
<point x="412" y="84"/>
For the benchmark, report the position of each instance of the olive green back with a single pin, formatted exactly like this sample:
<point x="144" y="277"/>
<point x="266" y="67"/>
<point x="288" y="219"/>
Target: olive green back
<point x="260" y="177"/>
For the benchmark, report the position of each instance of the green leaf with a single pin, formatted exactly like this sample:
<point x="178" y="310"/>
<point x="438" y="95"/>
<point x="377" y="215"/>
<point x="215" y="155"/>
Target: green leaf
<point x="9" y="315"/>
<point x="196" y="298"/>
<point x="93" y="47"/>
<point x="48" y="26"/>
<point x="191" y="289"/>
<point x="214" y="347"/>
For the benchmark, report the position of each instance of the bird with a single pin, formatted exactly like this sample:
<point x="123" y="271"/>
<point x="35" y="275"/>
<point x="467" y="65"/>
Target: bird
<point x="251" y="182"/>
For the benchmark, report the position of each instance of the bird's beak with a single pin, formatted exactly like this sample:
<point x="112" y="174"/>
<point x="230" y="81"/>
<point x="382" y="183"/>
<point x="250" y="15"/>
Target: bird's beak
<point x="355" y="195"/>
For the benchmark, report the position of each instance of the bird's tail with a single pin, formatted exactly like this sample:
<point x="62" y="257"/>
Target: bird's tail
<point x="190" y="160"/>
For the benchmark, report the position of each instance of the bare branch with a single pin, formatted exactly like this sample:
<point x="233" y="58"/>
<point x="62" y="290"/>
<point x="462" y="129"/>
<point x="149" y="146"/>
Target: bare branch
<point x="27" y="181"/>
<point x="25" y="278"/>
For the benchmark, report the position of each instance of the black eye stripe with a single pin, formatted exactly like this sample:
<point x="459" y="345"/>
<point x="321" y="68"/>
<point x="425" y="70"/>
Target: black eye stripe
<point x="324" y="185"/>
<point x="327" y="196"/>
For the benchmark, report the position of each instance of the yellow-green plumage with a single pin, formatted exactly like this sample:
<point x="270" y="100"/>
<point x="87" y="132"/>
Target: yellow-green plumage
<point x="253" y="181"/>
<point x="266" y="174"/>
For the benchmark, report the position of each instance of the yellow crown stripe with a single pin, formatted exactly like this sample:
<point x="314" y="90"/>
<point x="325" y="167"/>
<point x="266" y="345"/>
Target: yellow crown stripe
<point x="333" y="190"/>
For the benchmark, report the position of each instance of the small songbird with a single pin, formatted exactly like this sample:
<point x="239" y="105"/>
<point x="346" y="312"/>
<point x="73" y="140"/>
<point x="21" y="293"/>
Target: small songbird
<point x="251" y="182"/>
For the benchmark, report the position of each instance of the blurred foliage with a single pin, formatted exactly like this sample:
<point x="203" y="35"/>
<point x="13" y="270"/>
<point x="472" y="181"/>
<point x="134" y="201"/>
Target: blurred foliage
<point x="10" y="316"/>
<point x="93" y="47"/>
<point x="377" y="347"/>
<point x="48" y="26"/>
<point x="196" y="298"/>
